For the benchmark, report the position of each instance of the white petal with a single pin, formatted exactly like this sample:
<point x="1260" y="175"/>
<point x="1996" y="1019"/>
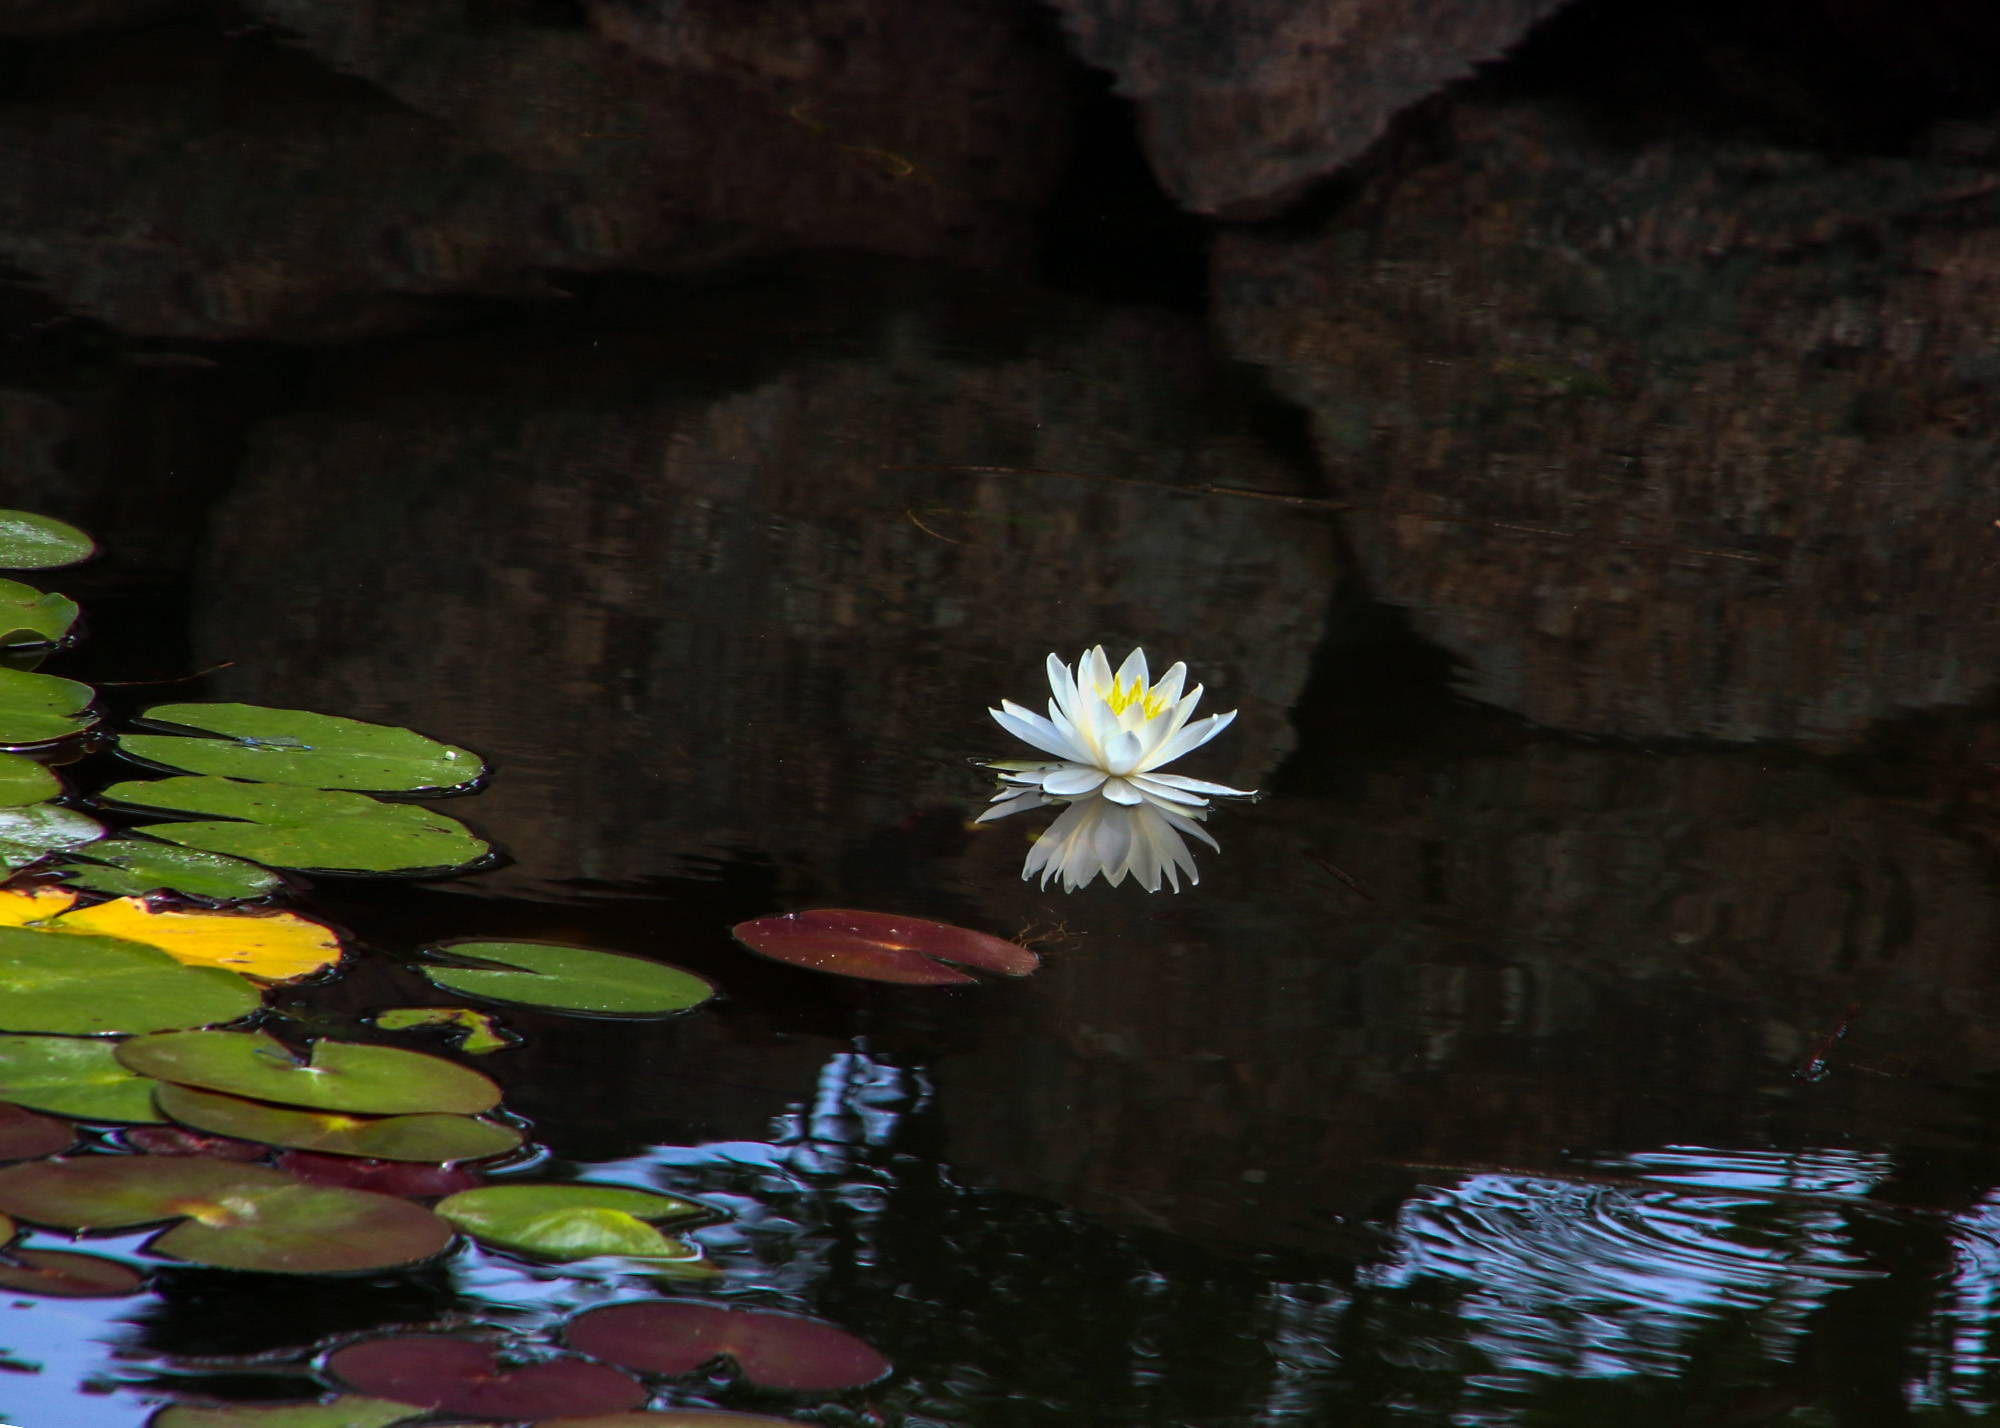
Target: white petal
<point x="1098" y="674"/>
<point x="1112" y="833"/>
<point x="1122" y="752"/>
<point x="1062" y="684"/>
<point x="1133" y="671"/>
<point x="1031" y="728"/>
<point x="1119" y="791"/>
<point x="1072" y="782"/>
<point x="1189" y="739"/>
<point x="1188" y="825"/>
<point x="1168" y="690"/>
<point x="1196" y="785"/>
<point x="1006" y="804"/>
<point x="1153" y="787"/>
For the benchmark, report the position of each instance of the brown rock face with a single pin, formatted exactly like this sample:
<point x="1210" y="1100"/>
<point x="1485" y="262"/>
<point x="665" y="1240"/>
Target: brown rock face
<point x="669" y="586"/>
<point x="1782" y="359"/>
<point x="1245" y="103"/>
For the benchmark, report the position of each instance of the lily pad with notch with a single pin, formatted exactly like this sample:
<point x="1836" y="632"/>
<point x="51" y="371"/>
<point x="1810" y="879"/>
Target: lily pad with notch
<point x="429" y="1139"/>
<point x="770" y="1350"/>
<point x="32" y="542"/>
<point x="466" y="1378"/>
<point x="74" y="1076"/>
<point x="317" y="830"/>
<point x="350" y="1410"/>
<point x="27" y="835"/>
<point x="72" y="985"/>
<point x="40" y="708"/>
<point x="23" y="781"/>
<point x="478" y="1034"/>
<point x="336" y="1076"/>
<point x="270" y="946"/>
<point x="231" y="1215"/>
<point x="295" y="746"/>
<point x="27" y="1135"/>
<point x="30" y="617"/>
<point x="573" y="1221"/>
<point x="132" y="867"/>
<point x="67" y="1274"/>
<point x="882" y="946"/>
<point x="558" y="978"/>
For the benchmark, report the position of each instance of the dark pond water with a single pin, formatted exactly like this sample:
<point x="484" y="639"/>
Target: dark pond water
<point x="1597" y="1023"/>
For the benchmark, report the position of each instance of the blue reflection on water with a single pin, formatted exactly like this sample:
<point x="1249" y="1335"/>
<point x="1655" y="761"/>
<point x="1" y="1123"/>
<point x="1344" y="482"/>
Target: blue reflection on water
<point x="1566" y="1277"/>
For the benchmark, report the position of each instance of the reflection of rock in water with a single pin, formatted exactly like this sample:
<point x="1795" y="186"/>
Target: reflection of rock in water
<point x="1243" y="104"/>
<point x="1570" y="951"/>
<point x="199" y="181"/>
<point x="667" y="583"/>
<point x="1732" y="347"/>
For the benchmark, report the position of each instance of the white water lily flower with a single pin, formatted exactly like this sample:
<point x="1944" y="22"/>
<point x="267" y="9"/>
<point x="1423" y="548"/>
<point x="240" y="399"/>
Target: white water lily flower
<point x="1110" y="735"/>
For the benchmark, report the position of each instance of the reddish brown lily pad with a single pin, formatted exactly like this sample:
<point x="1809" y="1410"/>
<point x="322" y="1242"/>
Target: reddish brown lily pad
<point x="771" y="1350"/>
<point x="465" y="1377"/>
<point x="882" y="946"/>
<point x="64" y="1274"/>
<point x="172" y="1140"/>
<point x="384" y="1177"/>
<point x="25" y="1135"/>
<point x="674" y="1418"/>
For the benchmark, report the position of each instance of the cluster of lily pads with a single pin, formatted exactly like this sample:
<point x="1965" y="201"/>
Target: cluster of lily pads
<point x="140" y="1088"/>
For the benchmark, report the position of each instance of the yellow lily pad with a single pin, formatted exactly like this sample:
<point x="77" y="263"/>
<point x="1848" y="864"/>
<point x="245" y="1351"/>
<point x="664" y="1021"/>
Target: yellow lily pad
<point x="270" y="946"/>
<point x="19" y="907"/>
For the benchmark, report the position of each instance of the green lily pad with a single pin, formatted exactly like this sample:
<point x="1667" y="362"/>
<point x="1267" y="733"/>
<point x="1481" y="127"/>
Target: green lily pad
<point x="572" y="1221"/>
<point x="32" y="542"/>
<point x="315" y="829"/>
<point x="23" y="781"/>
<point x="74" y="1076"/>
<point x="39" y="708"/>
<point x="32" y="833"/>
<point x="75" y="985"/>
<point x="341" y="1075"/>
<point x="293" y="746"/>
<point x="29" y="617"/>
<point x="429" y="1139"/>
<point x="65" y="1274"/>
<point x="481" y="1034"/>
<point x="132" y="867"/>
<point x="350" y="1410"/>
<point x="569" y="979"/>
<point x="233" y="1216"/>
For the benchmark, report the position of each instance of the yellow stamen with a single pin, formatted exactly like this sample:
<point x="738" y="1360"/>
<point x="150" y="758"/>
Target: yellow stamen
<point x="1120" y="698"/>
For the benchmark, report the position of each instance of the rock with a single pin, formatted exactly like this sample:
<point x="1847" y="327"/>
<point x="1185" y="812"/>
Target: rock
<point x="1749" y="390"/>
<point x="1244" y="104"/>
<point x="667" y="583"/>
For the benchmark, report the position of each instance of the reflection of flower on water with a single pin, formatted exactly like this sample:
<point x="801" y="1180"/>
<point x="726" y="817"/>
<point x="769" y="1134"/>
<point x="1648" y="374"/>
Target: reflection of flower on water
<point x="1111" y="734"/>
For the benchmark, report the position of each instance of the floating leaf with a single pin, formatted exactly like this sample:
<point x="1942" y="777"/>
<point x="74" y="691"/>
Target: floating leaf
<point x="32" y="833"/>
<point x="271" y="946"/>
<point x="39" y="708"/>
<point x="20" y="906"/>
<point x="570" y="979"/>
<point x="133" y="866"/>
<point x="427" y="1138"/>
<point x="32" y="542"/>
<point x="28" y="617"/>
<point x="64" y="1274"/>
<point x="384" y="1177"/>
<point x="482" y="1033"/>
<point x="27" y="1136"/>
<point x="296" y="747"/>
<point x="237" y="1216"/>
<point x="572" y="1221"/>
<point x="465" y="1377"/>
<point x="348" y="1411"/>
<point x="881" y="946"/>
<point x="676" y="1336"/>
<point x="673" y="1418"/>
<point x="80" y="986"/>
<point x="340" y="1075"/>
<point x="74" y="1076"/>
<point x="23" y="781"/>
<point x="310" y="828"/>
<point x="174" y="1140"/>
